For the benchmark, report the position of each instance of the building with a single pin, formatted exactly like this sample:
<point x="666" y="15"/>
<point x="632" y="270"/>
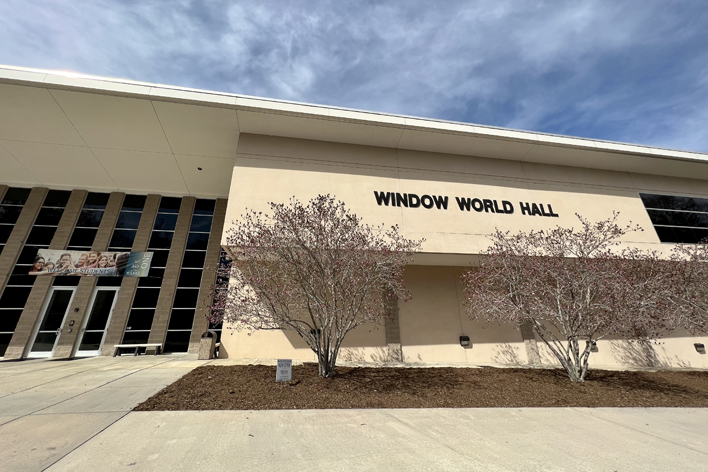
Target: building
<point x="94" y="164"/>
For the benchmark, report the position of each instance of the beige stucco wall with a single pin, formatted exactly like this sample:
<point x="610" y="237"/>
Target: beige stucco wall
<point x="365" y="343"/>
<point x="434" y="319"/>
<point x="276" y="169"/>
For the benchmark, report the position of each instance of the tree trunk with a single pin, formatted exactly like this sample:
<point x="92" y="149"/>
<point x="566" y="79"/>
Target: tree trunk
<point x="326" y="364"/>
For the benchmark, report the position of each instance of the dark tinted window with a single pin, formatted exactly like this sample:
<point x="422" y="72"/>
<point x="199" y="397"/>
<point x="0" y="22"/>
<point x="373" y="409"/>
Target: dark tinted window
<point x="8" y="319"/>
<point x="177" y="341"/>
<point x="14" y="297"/>
<point x="4" y="341"/>
<point x="90" y="218"/>
<point x="165" y="221"/>
<point x="154" y="278"/>
<point x="189" y="278"/>
<point x="204" y="207"/>
<point x="181" y="319"/>
<point x="5" y="231"/>
<point x="197" y="241"/>
<point x="56" y="198"/>
<point x="169" y="205"/>
<point x="122" y="238"/>
<point x="671" y="202"/>
<point x="83" y="237"/>
<point x="41" y="235"/>
<point x="49" y="216"/>
<point x="127" y="219"/>
<point x="66" y="281"/>
<point x="141" y="337"/>
<point x="140" y="319"/>
<point x="193" y="259"/>
<point x="9" y="214"/>
<point x="146" y="297"/>
<point x="109" y="281"/>
<point x="186" y="298"/>
<point x="160" y="240"/>
<point x="134" y="202"/>
<point x="22" y="279"/>
<point x="96" y="201"/>
<point x="677" y="219"/>
<point x="159" y="258"/>
<point x="16" y="196"/>
<point x="27" y="255"/>
<point x="201" y="224"/>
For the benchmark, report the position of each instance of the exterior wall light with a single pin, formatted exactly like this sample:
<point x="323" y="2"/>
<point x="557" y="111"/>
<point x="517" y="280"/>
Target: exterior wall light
<point x="700" y="348"/>
<point x="593" y="347"/>
<point x="464" y="341"/>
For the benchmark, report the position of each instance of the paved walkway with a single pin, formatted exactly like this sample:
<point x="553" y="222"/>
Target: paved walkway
<point x="49" y="407"/>
<point x="74" y="416"/>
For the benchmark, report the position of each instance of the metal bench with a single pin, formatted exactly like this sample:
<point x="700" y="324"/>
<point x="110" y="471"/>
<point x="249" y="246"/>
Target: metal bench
<point x="119" y="347"/>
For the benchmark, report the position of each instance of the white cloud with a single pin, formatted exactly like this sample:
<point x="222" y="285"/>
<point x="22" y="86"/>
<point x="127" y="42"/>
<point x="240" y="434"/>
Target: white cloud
<point x="630" y="71"/>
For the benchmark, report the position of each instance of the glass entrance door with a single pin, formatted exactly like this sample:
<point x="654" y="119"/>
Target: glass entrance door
<point x="53" y="316"/>
<point x="94" y="330"/>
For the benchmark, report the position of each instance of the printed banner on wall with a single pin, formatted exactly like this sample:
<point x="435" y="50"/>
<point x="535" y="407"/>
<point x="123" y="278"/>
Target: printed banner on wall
<point x="95" y="263"/>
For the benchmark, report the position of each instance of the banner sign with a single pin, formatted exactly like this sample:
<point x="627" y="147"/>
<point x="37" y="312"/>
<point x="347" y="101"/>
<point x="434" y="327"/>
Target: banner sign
<point x="94" y="263"/>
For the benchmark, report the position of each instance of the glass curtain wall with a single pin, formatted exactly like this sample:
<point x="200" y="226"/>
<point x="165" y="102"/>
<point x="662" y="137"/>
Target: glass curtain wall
<point x="678" y="219"/>
<point x="19" y="284"/>
<point x="186" y="298"/>
<point x="85" y="233"/>
<point x="142" y="312"/>
<point x="10" y="209"/>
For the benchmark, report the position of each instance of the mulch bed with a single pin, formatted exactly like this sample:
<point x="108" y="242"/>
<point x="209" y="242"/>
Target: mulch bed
<point x="254" y="388"/>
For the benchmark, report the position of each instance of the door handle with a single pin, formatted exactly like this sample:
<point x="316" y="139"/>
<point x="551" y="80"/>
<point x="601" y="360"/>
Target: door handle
<point x="58" y="331"/>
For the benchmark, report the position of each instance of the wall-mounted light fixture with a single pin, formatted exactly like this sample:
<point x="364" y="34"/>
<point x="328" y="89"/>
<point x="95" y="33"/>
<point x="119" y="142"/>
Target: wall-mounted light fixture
<point x="700" y="348"/>
<point x="464" y="341"/>
<point x="593" y="346"/>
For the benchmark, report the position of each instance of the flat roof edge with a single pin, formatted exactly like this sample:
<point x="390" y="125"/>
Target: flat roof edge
<point x="123" y="87"/>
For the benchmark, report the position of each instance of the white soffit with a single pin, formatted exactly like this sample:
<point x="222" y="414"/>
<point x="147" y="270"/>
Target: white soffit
<point x="143" y="138"/>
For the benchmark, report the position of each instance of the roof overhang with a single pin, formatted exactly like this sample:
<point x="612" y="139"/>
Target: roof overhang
<point x="67" y="130"/>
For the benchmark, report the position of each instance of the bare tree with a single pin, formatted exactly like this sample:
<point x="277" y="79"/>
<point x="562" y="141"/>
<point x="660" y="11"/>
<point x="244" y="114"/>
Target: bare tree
<point x="572" y="286"/>
<point x="315" y="270"/>
<point x="689" y="277"/>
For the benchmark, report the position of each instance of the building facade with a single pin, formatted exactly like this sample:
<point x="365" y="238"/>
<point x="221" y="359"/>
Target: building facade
<point x="93" y="164"/>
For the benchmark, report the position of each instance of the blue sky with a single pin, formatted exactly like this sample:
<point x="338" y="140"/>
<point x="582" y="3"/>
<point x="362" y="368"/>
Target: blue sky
<point x="628" y="70"/>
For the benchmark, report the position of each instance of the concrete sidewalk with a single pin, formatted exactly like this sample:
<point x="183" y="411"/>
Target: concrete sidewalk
<point x="50" y="407"/>
<point x="406" y="440"/>
<point x="74" y="416"/>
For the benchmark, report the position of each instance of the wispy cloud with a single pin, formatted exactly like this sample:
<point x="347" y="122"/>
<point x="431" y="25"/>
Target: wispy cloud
<point x="631" y="71"/>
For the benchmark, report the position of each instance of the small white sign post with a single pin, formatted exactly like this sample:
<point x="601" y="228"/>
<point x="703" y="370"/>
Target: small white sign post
<point x="284" y="371"/>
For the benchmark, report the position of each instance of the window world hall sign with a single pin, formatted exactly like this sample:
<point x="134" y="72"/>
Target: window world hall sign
<point x="411" y="200"/>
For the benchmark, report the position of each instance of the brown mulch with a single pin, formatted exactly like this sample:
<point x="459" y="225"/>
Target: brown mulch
<point x="254" y="388"/>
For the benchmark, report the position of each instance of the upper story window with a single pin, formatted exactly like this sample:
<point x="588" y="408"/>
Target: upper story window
<point x="10" y="209"/>
<point x="677" y="219"/>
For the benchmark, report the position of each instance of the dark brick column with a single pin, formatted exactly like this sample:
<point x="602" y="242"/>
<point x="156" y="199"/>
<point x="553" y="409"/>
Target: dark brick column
<point x="211" y="264"/>
<point x="121" y="311"/>
<point x="158" y="331"/>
